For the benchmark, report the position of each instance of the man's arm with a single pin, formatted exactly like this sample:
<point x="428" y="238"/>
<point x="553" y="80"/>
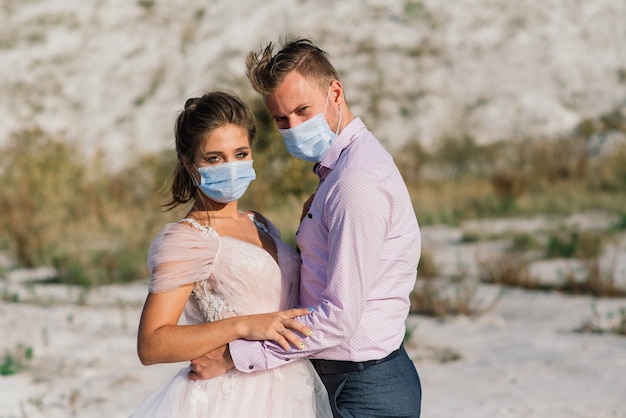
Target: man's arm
<point x="359" y="207"/>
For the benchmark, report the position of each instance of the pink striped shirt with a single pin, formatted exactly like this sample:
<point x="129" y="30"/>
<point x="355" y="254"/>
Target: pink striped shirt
<point x="360" y="245"/>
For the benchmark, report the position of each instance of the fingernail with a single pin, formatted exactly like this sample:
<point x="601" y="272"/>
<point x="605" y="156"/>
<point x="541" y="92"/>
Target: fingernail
<point x="309" y="332"/>
<point x="310" y="309"/>
<point x="301" y="346"/>
<point x="290" y="350"/>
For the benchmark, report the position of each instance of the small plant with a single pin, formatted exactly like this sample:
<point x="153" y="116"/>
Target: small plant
<point x="413" y="9"/>
<point x="521" y="242"/>
<point x="427" y="266"/>
<point x="38" y="402"/>
<point x="7" y="296"/>
<point x="574" y="244"/>
<point x="408" y="333"/>
<point x="608" y="323"/>
<point x="620" y="225"/>
<point x="509" y="185"/>
<point x="509" y="268"/>
<point x="16" y="361"/>
<point x="146" y="4"/>
<point x="595" y="281"/>
<point x="439" y="297"/>
<point x="472" y="236"/>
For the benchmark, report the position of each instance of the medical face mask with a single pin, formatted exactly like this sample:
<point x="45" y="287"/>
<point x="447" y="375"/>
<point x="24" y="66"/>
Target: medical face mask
<point x="311" y="139"/>
<point x="226" y="182"/>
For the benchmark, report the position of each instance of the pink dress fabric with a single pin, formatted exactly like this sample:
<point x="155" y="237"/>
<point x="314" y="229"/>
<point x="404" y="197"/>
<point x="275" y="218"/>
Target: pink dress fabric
<point x="231" y="277"/>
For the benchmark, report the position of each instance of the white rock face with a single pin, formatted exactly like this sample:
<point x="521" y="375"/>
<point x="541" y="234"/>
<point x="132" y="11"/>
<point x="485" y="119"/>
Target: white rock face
<point x="113" y="74"/>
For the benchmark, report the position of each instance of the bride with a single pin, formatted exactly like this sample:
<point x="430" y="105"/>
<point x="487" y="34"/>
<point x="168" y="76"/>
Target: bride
<point x="229" y="273"/>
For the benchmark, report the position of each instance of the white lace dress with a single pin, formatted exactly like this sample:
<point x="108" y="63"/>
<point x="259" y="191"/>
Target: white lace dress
<point x="231" y="277"/>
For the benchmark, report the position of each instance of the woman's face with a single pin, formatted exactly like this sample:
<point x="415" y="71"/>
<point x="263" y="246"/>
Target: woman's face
<point x="224" y="145"/>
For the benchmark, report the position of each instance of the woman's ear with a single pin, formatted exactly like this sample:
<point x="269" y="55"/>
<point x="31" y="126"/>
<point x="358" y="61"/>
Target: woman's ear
<point x="188" y="164"/>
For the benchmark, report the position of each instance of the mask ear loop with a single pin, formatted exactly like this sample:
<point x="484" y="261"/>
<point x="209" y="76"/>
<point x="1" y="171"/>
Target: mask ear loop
<point x="326" y="105"/>
<point x="193" y="176"/>
<point x="338" y="122"/>
<point x="327" y="97"/>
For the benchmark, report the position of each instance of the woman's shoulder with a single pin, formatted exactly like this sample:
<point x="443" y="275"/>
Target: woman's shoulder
<point x="184" y="233"/>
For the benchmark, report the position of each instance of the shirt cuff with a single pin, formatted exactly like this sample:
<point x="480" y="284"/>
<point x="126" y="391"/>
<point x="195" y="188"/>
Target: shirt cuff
<point x="248" y="356"/>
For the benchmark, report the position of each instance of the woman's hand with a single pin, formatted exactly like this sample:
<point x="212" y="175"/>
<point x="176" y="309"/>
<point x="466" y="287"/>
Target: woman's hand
<point x="276" y="326"/>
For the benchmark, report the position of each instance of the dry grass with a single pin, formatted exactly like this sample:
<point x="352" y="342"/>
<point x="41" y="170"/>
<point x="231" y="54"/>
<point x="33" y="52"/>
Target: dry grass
<point x="94" y="226"/>
<point x="595" y="281"/>
<point x="69" y="212"/>
<point x="440" y="297"/>
<point x="509" y="268"/>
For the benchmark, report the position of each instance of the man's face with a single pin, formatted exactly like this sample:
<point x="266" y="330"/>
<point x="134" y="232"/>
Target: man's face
<point x="297" y="100"/>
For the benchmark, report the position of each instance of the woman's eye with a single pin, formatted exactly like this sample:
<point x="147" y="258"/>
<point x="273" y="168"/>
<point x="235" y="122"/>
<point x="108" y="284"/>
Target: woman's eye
<point x="241" y="155"/>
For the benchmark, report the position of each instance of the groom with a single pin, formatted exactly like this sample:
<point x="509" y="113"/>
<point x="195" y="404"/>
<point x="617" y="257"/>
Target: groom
<point x="359" y="241"/>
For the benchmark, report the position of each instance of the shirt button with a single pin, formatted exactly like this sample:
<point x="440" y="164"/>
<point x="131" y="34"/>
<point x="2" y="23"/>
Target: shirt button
<point x="250" y="367"/>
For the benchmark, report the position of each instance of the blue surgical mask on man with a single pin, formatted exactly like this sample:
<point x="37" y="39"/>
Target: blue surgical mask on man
<point x="226" y="182"/>
<point x="311" y="139"/>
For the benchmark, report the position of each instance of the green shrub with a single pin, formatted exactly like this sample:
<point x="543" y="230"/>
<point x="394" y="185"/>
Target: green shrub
<point x="16" y="360"/>
<point x="574" y="244"/>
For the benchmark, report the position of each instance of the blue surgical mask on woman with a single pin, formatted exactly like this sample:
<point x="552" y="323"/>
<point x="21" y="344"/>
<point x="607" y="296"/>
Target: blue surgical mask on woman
<point x="226" y="182"/>
<point x="311" y="139"/>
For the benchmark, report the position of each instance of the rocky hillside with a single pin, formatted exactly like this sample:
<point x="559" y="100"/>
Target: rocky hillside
<point x="112" y="74"/>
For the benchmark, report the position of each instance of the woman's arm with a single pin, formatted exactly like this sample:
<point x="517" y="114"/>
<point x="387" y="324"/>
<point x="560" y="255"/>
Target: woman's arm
<point x="161" y="340"/>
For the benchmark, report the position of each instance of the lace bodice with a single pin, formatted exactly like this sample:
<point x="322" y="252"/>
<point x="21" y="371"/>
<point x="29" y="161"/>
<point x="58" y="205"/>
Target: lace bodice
<point x="231" y="277"/>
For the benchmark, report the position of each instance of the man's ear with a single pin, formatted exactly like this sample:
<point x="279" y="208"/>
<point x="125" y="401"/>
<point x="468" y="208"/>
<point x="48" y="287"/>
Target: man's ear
<point x="336" y="92"/>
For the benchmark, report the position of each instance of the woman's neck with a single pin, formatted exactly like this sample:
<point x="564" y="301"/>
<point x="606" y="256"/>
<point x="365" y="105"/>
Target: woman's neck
<point x="223" y="211"/>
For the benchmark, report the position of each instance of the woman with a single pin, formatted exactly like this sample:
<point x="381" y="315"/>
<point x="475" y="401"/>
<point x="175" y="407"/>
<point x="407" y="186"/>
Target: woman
<point x="229" y="272"/>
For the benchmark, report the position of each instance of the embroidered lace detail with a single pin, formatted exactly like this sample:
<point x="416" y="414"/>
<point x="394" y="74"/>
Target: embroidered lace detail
<point x="213" y="307"/>
<point x="202" y="228"/>
<point x="216" y="299"/>
<point x="197" y="397"/>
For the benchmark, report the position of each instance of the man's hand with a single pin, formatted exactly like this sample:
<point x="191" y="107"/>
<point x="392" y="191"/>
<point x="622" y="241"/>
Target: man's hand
<point x="213" y="364"/>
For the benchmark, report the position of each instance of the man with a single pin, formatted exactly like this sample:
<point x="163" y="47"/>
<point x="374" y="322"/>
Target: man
<point x="359" y="241"/>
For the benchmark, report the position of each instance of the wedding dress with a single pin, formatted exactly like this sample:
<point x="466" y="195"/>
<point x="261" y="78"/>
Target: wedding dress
<point x="231" y="277"/>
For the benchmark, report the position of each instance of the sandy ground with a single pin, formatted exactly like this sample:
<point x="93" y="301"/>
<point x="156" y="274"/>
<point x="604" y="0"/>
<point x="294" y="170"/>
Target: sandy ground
<point x="521" y="358"/>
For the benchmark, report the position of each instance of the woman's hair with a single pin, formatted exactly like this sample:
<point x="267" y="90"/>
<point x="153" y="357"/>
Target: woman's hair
<point x="267" y="72"/>
<point x="201" y="116"/>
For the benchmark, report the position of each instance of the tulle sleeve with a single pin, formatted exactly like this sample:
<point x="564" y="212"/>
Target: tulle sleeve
<point x="180" y="255"/>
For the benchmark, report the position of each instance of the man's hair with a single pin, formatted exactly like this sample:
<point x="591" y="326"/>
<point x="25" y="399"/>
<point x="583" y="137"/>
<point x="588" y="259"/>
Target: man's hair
<point x="267" y="71"/>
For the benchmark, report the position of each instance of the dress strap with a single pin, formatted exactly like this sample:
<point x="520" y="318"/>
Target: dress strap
<point x="258" y="223"/>
<point x="197" y="225"/>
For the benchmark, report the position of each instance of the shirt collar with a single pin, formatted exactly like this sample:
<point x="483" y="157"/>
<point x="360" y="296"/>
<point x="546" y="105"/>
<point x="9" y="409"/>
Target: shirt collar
<point x="341" y="141"/>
